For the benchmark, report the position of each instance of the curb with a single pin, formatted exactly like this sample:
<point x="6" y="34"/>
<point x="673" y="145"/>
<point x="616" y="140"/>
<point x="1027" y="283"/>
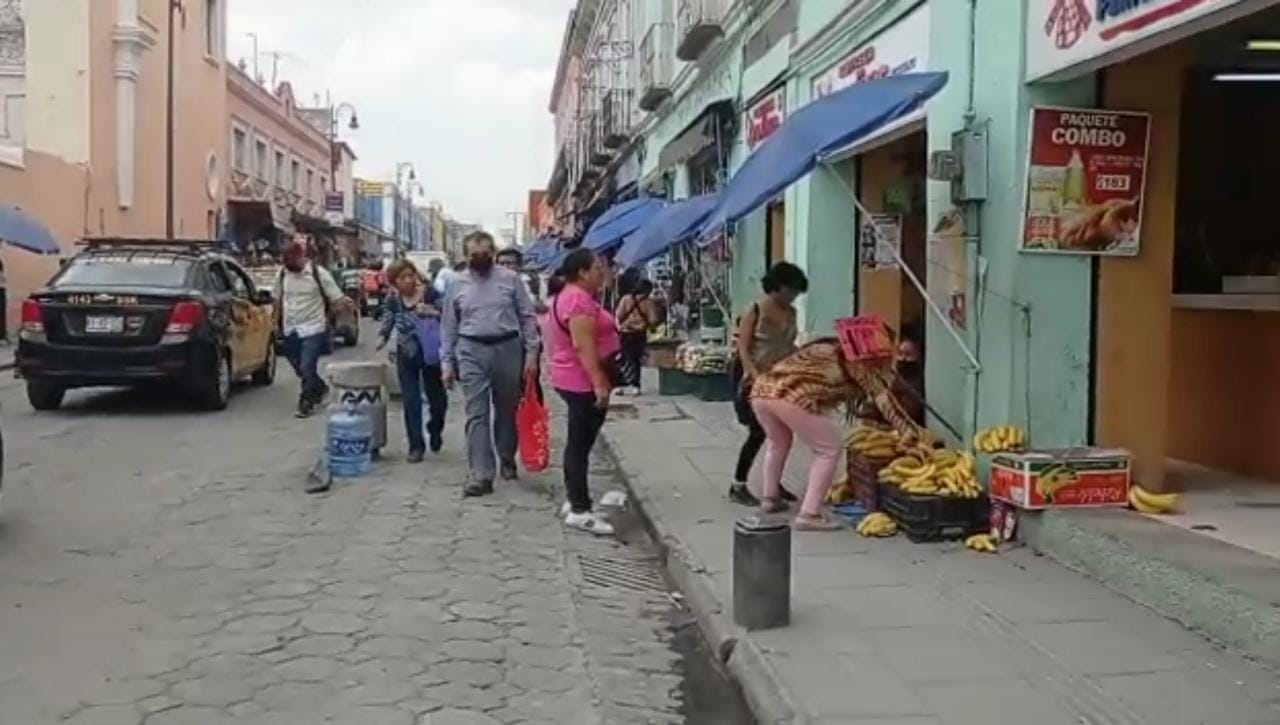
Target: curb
<point x="1201" y="583"/>
<point x="764" y="692"/>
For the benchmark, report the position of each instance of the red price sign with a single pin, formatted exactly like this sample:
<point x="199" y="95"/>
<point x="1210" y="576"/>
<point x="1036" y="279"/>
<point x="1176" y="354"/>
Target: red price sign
<point x="864" y="338"/>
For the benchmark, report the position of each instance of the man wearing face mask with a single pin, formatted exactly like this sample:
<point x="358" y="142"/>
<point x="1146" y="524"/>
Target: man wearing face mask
<point x="305" y="293"/>
<point x="489" y="341"/>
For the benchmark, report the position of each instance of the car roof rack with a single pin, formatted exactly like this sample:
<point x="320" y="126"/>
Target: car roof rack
<point x="159" y="244"/>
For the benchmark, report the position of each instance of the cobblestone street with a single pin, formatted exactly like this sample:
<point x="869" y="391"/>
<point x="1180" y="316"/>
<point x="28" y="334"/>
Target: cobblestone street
<point x="160" y="566"/>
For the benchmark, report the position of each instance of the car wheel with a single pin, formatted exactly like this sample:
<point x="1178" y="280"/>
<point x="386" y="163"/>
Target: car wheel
<point x="217" y="389"/>
<point x="266" y="374"/>
<point x="45" y="396"/>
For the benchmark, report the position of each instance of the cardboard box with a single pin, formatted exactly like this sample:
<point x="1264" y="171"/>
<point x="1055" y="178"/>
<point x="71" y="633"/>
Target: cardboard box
<point x="1061" y="478"/>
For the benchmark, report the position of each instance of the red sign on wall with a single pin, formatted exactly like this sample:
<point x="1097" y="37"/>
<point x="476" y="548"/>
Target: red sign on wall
<point x="765" y="117"/>
<point x="1085" y="176"/>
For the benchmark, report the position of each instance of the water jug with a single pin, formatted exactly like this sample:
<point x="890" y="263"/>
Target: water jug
<point x="350" y="441"/>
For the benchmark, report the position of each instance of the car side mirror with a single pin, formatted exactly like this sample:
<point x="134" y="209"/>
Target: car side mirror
<point x="263" y="297"/>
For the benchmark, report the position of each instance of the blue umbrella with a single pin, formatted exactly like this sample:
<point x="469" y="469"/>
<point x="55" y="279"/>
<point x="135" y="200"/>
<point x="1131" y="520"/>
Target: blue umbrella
<point x="672" y="225"/>
<point x="26" y="232"/>
<point x="539" y="249"/>
<point x="619" y="221"/>
<point x="815" y="131"/>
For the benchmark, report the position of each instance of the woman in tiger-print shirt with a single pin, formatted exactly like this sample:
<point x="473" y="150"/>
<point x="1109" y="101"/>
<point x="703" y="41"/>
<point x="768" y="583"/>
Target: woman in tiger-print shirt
<point x="794" y="399"/>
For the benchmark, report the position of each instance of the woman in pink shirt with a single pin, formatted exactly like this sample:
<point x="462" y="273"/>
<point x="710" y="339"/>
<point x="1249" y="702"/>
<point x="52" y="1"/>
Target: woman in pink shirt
<point x="581" y="341"/>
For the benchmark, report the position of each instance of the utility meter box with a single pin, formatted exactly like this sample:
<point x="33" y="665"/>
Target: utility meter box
<point x="964" y="165"/>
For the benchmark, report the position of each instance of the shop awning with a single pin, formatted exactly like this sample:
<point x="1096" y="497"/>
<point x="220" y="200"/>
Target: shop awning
<point x="814" y="132"/>
<point x="24" y="231"/>
<point x="253" y="219"/>
<point x="540" y="249"/>
<point x="700" y="135"/>
<point x="619" y="221"/>
<point x="672" y="225"/>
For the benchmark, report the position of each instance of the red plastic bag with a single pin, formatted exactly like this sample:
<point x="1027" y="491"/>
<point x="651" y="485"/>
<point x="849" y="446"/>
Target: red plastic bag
<point x="533" y="429"/>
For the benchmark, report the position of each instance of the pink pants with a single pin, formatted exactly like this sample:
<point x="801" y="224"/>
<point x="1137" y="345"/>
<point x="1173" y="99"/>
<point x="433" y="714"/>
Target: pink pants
<point x="781" y="422"/>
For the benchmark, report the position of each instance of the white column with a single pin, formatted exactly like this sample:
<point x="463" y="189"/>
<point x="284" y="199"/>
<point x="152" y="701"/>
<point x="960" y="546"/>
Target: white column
<point x="131" y="40"/>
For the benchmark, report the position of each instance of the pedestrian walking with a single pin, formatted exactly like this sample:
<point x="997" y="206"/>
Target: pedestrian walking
<point x="582" y="339"/>
<point x="490" y="341"/>
<point x="511" y="258"/>
<point x="413" y="314"/>
<point x="793" y="399"/>
<point x="635" y="318"/>
<point x="766" y="334"/>
<point x="305" y="296"/>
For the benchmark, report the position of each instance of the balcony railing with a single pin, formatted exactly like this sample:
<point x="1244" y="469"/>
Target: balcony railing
<point x="597" y="152"/>
<point x="615" y="117"/>
<point x="699" y="23"/>
<point x="656" y="53"/>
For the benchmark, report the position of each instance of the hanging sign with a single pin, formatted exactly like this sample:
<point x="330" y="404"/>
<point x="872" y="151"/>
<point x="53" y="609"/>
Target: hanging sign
<point x="1085" y="176"/>
<point x="1066" y="33"/>
<point x="880" y="241"/>
<point x="765" y="116"/>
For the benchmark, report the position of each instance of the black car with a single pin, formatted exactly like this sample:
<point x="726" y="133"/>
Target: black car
<point x="139" y="312"/>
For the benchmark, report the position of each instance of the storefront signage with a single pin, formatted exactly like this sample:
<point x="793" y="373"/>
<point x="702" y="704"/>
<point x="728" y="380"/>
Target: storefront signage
<point x="1066" y="33"/>
<point x="1085" y="177"/>
<point x="333" y="201"/>
<point x="902" y="48"/>
<point x="371" y="188"/>
<point x="880" y="241"/>
<point x="765" y="116"/>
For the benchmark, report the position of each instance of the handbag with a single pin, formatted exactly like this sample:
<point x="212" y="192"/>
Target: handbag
<point x="612" y="364"/>
<point x="427" y="330"/>
<point x="533" y="431"/>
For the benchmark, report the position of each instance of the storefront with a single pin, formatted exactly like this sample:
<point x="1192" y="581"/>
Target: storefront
<point x="1188" y="319"/>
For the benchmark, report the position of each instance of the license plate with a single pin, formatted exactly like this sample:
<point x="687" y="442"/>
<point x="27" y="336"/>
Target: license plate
<point x="103" y="323"/>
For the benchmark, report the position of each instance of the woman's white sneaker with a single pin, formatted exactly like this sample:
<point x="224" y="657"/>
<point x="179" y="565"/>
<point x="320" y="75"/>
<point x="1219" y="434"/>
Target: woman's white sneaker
<point x="589" y="523"/>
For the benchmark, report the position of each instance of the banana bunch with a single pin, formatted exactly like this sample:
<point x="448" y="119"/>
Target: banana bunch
<point x="841" y="491"/>
<point x="870" y="442"/>
<point x="1000" y="438"/>
<point x="1146" y="502"/>
<point x="1048" y="482"/>
<point x="981" y="542"/>
<point x="877" y="524"/>
<point x="939" y="472"/>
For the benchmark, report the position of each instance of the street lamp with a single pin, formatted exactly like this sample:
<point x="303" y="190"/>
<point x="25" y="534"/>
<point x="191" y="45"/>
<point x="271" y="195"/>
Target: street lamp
<point x="334" y="117"/>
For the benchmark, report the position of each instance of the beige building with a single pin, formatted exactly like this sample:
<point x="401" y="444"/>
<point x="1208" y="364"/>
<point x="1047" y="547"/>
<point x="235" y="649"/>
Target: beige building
<point x="83" y="120"/>
<point x="280" y="164"/>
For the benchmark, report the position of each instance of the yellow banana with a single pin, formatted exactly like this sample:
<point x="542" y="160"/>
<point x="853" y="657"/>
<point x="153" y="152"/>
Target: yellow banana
<point x="1158" y="502"/>
<point x="1141" y="506"/>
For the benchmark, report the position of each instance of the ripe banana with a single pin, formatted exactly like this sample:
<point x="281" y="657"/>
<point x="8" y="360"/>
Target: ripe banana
<point x="1000" y="438"/>
<point x="877" y="524"/>
<point x="981" y="542"/>
<point x="1152" y="503"/>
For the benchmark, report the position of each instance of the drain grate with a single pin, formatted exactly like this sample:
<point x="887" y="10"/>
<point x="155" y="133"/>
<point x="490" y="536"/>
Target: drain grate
<point x="634" y="575"/>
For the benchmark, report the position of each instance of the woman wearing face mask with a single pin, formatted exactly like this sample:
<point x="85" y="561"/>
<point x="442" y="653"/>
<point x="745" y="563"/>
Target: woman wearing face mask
<point x="908" y="385"/>
<point x="766" y="334"/>
<point x="413" y="314"/>
<point x="581" y="336"/>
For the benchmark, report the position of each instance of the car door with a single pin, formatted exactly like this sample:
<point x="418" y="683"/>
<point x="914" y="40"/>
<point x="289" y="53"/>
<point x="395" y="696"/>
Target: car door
<point x="261" y="317"/>
<point x="237" y="311"/>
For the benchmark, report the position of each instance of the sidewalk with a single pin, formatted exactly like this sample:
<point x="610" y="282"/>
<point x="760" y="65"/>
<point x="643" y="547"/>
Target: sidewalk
<point x="890" y="632"/>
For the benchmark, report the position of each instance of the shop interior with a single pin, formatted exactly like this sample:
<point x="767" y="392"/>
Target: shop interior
<point x="890" y="178"/>
<point x="1223" y="393"/>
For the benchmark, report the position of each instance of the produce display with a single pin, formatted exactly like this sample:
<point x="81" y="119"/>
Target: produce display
<point x="1000" y="439"/>
<point x="878" y="525"/>
<point x="984" y="543"/>
<point x="934" y="472"/>
<point x="1146" y="502"/>
<point x="696" y="358"/>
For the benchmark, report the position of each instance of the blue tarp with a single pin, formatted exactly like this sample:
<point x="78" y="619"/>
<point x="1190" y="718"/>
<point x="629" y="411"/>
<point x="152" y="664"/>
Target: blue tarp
<point x="545" y="247"/>
<point x="619" y="221"/>
<point x="817" y="130"/>
<point x="672" y="225"/>
<point x="22" y="230"/>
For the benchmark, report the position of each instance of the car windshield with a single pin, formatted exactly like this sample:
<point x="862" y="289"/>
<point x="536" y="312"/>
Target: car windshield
<point x="126" y="270"/>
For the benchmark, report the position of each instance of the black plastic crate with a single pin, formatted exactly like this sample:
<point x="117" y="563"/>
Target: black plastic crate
<point x="934" y="518"/>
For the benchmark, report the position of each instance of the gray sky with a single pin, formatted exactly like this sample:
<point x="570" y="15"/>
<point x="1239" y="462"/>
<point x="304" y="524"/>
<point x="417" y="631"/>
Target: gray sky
<point x="458" y="87"/>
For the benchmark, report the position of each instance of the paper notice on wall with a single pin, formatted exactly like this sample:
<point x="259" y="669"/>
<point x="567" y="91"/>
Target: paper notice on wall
<point x="880" y="241"/>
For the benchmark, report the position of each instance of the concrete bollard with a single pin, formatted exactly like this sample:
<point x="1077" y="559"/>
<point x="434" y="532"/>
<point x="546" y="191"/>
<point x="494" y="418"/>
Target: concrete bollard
<point x="762" y="572"/>
<point x="360" y="383"/>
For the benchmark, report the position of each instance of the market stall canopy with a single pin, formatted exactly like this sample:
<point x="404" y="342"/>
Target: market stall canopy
<point x="811" y="133"/>
<point x="544" y="247"/>
<point x="672" y="225"/>
<point x="620" y="220"/>
<point x="24" y="231"/>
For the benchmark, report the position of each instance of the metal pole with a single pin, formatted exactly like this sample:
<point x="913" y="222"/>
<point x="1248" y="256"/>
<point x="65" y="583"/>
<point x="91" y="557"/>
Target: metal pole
<point x="174" y="7"/>
<point x="915" y="281"/>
